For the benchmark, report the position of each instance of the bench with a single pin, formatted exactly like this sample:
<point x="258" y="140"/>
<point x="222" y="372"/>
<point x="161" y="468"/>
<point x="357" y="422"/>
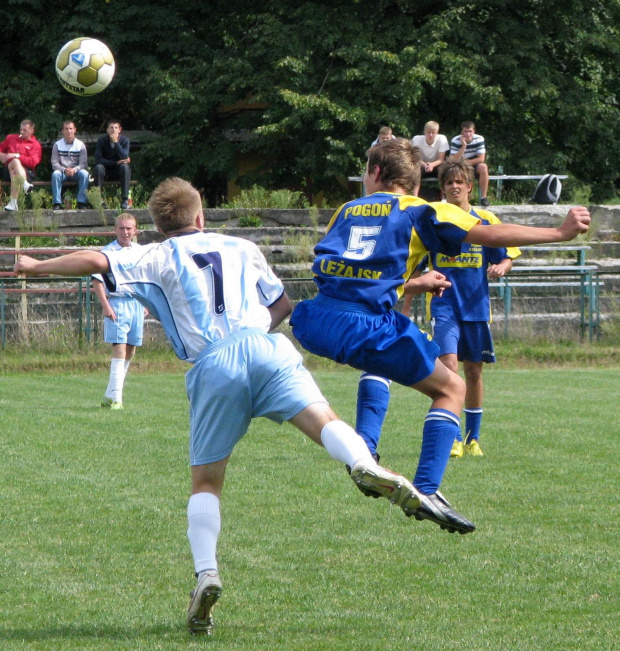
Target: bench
<point x="15" y="285"/>
<point x="498" y="178"/>
<point x="582" y="276"/>
<point x="66" y="184"/>
<point x="581" y="250"/>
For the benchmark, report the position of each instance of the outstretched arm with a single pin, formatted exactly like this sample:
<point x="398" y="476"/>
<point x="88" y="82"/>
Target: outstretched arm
<point x="80" y="263"/>
<point x="577" y="222"/>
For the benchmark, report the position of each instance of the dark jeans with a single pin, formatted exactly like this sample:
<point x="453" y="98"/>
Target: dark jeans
<point x="121" y="173"/>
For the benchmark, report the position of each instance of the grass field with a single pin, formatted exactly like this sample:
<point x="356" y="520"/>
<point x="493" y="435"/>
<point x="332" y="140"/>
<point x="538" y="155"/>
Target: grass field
<point x="93" y="553"/>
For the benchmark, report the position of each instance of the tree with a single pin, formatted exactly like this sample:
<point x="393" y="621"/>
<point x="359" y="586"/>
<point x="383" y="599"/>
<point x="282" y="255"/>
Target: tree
<point x="303" y="87"/>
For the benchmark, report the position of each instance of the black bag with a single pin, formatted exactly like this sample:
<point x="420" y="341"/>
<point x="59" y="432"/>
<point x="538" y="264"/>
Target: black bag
<point x="548" y="190"/>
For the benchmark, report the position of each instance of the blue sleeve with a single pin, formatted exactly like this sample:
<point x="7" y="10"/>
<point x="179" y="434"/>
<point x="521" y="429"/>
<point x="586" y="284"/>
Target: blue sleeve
<point x="495" y="255"/>
<point x="443" y="228"/>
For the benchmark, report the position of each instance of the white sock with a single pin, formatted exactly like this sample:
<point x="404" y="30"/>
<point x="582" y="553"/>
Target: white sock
<point x="204" y="524"/>
<point x="27" y="185"/>
<point x="117" y="377"/>
<point x="344" y="444"/>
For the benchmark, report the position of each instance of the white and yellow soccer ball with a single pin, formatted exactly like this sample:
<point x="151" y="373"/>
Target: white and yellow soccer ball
<point x="85" y="66"/>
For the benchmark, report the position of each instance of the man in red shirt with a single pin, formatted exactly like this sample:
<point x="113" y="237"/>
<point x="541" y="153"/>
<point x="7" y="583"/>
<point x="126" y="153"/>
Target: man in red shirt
<point x="20" y="154"/>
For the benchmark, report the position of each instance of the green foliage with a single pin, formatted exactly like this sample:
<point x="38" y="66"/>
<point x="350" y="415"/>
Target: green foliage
<point x="299" y="90"/>
<point x="258" y="197"/>
<point x="581" y="194"/>
<point x="92" y="240"/>
<point x="250" y="221"/>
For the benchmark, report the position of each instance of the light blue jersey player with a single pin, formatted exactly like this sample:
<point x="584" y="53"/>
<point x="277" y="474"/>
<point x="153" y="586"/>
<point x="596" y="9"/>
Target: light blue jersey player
<point x="218" y="300"/>
<point x="371" y="247"/>
<point x="123" y="317"/>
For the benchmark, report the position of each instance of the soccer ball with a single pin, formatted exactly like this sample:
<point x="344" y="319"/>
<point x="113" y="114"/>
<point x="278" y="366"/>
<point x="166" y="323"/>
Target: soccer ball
<point x="85" y="66"/>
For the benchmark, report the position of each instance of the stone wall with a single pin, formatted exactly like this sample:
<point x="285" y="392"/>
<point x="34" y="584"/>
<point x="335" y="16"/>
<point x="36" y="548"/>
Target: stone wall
<point x="287" y="238"/>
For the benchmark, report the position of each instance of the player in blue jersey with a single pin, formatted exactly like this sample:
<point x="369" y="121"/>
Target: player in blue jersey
<point x="461" y="316"/>
<point x="371" y="247"/>
<point x="123" y="318"/>
<point x="218" y="301"/>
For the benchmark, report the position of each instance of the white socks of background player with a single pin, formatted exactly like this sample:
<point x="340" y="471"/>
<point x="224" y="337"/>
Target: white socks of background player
<point x="117" y="378"/>
<point x="344" y="444"/>
<point x="204" y="523"/>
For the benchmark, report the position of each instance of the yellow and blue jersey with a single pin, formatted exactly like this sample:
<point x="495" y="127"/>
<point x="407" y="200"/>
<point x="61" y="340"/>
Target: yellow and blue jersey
<point x="468" y="298"/>
<point x="373" y="244"/>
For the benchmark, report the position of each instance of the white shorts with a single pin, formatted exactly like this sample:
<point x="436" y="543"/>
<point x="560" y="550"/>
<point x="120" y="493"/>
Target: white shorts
<point x="129" y="325"/>
<point x="244" y="376"/>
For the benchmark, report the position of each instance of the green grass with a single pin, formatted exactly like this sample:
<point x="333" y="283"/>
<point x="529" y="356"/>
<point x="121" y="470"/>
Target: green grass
<point x="93" y="553"/>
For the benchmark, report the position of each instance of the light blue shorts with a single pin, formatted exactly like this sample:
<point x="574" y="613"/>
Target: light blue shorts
<point x="129" y="325"/>
<point x="244" y="376"/>
<point x="470" y="341"/>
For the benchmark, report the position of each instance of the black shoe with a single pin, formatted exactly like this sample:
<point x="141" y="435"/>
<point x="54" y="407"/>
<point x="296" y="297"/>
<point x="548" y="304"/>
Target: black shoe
<point x="367" y="491"/>
<point x="124" y="204"/>
<point x="58" y="206"/>
<point x="437" y="509"/>
<point x="82" y="206"/>
<point x="484" y="202"/>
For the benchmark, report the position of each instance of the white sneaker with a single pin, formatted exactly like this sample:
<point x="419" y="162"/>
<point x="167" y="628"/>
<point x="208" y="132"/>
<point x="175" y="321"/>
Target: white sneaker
<point x="384" y="483"/>
<point x="12" y="205"/>
<point x="204" y="597"/>
<point x="27" y="187"/>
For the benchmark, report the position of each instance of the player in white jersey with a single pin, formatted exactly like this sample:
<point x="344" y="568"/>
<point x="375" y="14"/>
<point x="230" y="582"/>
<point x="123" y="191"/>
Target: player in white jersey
<point x="218" y="301"/>
<point x="123" y="317"/>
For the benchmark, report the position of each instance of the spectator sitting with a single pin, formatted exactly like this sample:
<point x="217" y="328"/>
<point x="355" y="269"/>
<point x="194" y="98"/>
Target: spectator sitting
<point x="470" y="147"/>
<point x="385" y="133"/>
<point x="20" y="154"/>
<point x="112" y="158"/>
<point x="433" y="147"/>
<point x="69" y="163"/>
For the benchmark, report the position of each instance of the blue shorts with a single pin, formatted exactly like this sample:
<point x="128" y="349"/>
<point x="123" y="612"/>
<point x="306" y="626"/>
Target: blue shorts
<point x="470" y="341"/>
<point x="247" y="375"/>
<point x="129" y="325"/>
<point x="388" y="344"/>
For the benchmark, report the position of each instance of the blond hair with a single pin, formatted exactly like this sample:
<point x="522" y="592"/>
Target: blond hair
<point x="431" y="124"/>
<point x="399" y="162"/>
<point x="174" y="204"/>
<point x="125" y="217"/>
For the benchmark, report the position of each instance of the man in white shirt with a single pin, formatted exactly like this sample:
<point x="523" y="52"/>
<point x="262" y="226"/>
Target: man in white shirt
<point x="69" y="163"/>
<point x="433" y="147"/>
